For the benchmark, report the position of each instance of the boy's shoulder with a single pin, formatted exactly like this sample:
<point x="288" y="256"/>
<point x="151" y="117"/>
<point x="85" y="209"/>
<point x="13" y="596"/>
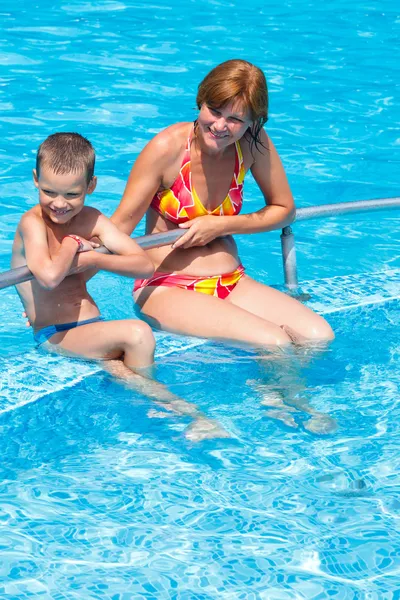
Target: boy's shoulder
<point x="90" y="216"/>
<point x="89" y="211"/>
<point x="91" y="221"/>
<point x="33" y="214"/>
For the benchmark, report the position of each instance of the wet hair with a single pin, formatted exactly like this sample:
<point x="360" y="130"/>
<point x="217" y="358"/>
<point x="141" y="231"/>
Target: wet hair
<point x="66" y="153"/>
<point x="237" y="80"/>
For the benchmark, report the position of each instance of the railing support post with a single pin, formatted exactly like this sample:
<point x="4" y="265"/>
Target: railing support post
<point x="289" y="258"/>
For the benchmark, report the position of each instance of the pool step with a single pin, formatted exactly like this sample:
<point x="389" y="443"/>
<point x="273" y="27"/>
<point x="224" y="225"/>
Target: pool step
<point x="347" y="292"/>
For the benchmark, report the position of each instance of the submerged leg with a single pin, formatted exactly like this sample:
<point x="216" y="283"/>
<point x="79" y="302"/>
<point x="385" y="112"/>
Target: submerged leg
<point x="284" y="392"/>
<point x="256" y="315"/>
<point x="126" y="350"/>
<point x="141" y="381"/>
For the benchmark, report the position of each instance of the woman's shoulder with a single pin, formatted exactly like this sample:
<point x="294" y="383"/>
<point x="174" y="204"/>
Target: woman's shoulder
<point x="170" y="141"/>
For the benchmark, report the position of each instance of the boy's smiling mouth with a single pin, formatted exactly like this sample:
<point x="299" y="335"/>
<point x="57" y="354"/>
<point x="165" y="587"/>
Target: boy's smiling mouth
<point x="59" y="211"/>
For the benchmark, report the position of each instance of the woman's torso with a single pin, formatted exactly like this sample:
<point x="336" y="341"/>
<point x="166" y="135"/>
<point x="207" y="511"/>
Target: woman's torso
<point x="215" y="186"/>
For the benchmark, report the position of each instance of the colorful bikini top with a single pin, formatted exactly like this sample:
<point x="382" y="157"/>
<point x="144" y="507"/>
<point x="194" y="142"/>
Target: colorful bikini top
<point x="180" y="203"/>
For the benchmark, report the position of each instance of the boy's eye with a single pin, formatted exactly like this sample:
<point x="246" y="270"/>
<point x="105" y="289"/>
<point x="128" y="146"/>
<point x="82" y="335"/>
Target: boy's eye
<point x="49" y="192"/>
<point x="73" y="195"/>
<point x="215" y="111"/>
<point x="236" y="120"/>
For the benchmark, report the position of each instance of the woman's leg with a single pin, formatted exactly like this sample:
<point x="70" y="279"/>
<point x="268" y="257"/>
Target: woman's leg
<point x="302" y="323"/>
<point x="284" y="390"/>
<point x="192" y="313"/>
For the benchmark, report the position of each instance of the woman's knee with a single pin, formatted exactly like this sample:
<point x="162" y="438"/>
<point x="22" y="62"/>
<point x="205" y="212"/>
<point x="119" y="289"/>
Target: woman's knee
<point x="320" y="330"/>
<point x="313" y="329"/>
<point x="308" y="326"/>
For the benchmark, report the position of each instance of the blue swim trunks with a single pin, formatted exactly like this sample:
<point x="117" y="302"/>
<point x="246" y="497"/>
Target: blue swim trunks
<point x="44" y="334"/>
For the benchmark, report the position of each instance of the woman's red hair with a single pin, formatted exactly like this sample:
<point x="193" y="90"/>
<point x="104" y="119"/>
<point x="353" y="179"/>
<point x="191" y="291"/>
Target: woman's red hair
<point x="237" y="80"/>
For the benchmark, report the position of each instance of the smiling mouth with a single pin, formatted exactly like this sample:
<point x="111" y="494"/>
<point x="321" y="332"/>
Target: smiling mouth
<point x="59" y="213"/>
<point x="216" y="135"/>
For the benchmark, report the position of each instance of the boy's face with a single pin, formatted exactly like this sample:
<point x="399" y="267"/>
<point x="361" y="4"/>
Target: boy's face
<point x="62" y="196"/>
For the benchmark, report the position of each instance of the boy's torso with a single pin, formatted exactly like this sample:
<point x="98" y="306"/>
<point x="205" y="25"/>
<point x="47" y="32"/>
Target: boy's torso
<point x="69" y="301"/>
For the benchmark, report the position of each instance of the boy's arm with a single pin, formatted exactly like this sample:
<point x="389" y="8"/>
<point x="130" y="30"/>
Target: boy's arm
<point x="127" y="257"/>
<point x="49" y="271"/>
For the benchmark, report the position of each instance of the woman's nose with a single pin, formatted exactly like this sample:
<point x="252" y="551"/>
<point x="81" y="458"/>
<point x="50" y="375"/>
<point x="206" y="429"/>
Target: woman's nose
<point x="220" y="124"/>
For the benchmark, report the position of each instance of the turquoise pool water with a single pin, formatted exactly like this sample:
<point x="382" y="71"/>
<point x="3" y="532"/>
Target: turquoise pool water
<point x="98" y="500"/>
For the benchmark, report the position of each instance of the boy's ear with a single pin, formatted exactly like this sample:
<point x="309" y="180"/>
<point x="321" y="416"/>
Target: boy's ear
<point x="92" y="185"/>
<point x="35" y="178"/>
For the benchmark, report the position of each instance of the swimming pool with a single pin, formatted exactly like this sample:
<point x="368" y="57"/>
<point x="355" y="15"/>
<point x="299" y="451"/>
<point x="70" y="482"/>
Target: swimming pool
<point x="97" y="499"/>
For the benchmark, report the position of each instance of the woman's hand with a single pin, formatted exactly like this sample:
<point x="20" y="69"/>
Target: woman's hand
<point x="200" y="231"/>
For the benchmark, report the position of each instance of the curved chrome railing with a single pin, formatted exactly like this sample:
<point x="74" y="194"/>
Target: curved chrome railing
<point x="21" y="274"/>
<point x="317" y="212"/>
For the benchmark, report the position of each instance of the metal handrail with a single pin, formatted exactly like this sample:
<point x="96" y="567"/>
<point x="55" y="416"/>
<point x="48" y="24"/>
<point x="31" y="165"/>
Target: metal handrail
<point x="317" y="212"/>
<point x="156" y="240"/>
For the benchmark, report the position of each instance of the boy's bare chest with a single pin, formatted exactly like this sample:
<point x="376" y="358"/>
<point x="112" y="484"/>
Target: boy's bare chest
<point x="54" y="240"/>
<point x="56" y="236"/>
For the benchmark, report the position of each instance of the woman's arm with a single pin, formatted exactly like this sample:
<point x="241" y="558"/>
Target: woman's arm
<point x="145" y="179"/>
<point x="270" y="177"/>
<point x="268" y="171"/>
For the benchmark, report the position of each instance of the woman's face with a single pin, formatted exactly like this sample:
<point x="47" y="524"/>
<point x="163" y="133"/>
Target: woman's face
<point x="221" y="126"/>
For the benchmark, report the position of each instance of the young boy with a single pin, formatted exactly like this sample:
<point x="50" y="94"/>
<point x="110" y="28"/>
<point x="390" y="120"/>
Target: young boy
<point x="52" y="238"/>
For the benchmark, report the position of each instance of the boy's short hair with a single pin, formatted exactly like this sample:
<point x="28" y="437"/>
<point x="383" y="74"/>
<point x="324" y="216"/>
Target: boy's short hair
<point x="66" y="153"/>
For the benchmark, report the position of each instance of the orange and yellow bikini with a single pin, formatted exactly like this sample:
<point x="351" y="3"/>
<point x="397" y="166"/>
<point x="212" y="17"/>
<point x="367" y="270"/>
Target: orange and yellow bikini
<point x="179" y="204"/>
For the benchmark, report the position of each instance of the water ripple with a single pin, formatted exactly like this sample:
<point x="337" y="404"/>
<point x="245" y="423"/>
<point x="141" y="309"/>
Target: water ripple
<point x="98" y="499"/>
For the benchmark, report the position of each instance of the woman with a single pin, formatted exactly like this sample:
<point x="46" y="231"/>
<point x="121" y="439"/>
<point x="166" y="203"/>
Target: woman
<point x="191" y="176"/>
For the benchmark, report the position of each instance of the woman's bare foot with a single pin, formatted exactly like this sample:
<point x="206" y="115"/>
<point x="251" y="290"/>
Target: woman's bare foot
<point x="318" y="423"/>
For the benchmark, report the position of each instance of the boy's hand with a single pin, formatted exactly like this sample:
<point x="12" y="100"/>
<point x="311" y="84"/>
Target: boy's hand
<point x="96" y="240"/>
<point x="83" y="262"/>
<point x="87" y="245"/>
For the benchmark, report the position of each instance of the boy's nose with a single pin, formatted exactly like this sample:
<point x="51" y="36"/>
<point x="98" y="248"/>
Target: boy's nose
<point x="59" y="206"/>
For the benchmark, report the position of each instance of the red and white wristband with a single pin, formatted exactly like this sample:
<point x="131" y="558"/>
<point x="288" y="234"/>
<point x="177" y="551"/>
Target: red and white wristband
<point x="77" y="239"/>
